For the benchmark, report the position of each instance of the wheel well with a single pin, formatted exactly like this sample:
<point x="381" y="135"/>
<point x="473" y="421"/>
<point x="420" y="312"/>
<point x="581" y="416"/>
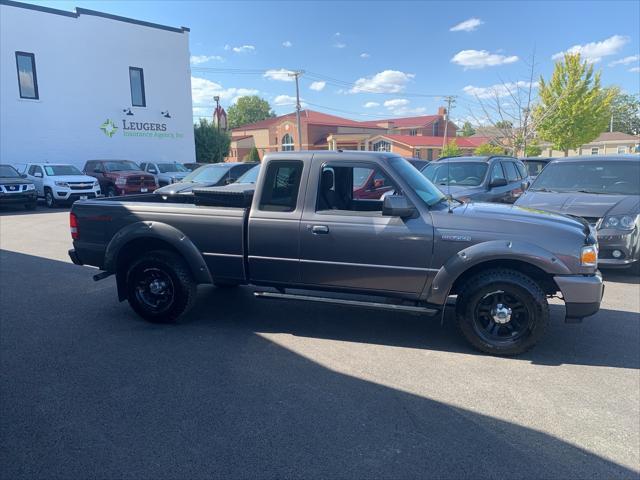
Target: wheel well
<point x="544" y="279"/>
<point x="137" y="247"/>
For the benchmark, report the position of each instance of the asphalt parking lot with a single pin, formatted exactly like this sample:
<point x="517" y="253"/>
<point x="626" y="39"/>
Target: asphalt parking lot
<point x="251" y="388"/>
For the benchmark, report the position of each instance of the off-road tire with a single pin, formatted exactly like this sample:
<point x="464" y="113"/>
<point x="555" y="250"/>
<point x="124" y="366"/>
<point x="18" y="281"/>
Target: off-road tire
<point x="183" y="285"/>
<point x="527" y="291"/>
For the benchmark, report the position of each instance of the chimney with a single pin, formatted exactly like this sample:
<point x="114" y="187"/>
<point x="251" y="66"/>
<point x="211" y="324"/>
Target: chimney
<point x="442" y="111"/>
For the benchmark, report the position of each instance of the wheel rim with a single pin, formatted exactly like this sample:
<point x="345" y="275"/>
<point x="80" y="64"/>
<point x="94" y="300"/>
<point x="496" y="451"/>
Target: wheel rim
<point x="49" y="199"/>
<point x="154" y="289"/>
<point x="111" y="193"/>
<point x="502" y="318"/>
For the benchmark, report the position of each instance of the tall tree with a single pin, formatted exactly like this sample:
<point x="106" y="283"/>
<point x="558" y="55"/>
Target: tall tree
<point x="574" y="109"/>
<point x="451" y="149"/>
<point x="252" y="156"/>
<point x="211" y="145"/>
<point x="249" y="109"/>
<point x="467" y="130"/>
<point x="625" y="114"/>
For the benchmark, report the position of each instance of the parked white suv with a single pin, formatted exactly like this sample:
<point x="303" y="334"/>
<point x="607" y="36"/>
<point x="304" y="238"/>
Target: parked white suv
<point x="59" y="183"/>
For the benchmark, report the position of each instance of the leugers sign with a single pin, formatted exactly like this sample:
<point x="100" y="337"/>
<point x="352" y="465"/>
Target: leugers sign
<point x="132" y="128"/>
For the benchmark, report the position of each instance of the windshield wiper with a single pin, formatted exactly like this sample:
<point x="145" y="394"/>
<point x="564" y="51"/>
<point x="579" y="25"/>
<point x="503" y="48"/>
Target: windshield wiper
<point x="543" y="189"/>
<point x="591" y="191"/>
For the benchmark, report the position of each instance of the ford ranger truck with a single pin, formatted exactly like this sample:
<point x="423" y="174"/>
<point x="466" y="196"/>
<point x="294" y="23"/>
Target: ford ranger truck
<point x="307" y="231"/>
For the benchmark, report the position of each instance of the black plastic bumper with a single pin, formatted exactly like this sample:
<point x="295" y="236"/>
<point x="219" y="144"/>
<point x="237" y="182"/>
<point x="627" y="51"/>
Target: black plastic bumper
<point x="575" y="312"/>
<point x="74" y="257"/>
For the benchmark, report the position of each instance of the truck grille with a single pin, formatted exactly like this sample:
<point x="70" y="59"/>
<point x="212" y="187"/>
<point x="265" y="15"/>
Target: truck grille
<point x="13" y="188"/>
<point x="138" y="181"/>
<point x="80" y="185"/>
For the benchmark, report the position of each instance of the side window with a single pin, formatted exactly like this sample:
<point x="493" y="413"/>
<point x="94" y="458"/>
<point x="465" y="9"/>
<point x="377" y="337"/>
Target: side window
<point x="522" y="170"/>
<point x="32" y="170"/>
<point x="512" y="173"/>
<point x="143" y="166"/>
<point x="281" y="185"/>
<point x="27" y="80"/>
<point x="496" y="172"/>
<point x="37" y="169"/>
<point x="136" y="81"/>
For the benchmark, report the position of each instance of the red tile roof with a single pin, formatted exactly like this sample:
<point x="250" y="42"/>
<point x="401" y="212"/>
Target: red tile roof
<point x="424" y="141"/>
<point x="405" y="122"/>
<point x="306" y="116"/>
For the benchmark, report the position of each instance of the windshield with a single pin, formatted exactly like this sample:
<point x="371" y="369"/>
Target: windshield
<point x="8" y="171"/>
<point x="208" y="173"/>
<point x="534" y="167"/>
<point x="250" y="176"/>
<point x="426" y="190"/>
<point x="58" y="170"/>
<point x="469" y="174"/>
<point x="121" y="166"/>
<point x="616" y="178"/>
<point x="171" y="167"/>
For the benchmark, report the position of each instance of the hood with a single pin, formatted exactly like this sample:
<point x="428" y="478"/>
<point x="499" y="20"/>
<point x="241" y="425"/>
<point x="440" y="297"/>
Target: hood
<point x="460" y="190"/>
<point x="130" y="173"/>
<point x="14" y="181"/>
<point x="175" y="174"/>
<point x="588" y="205"/>
<point x="180" y="187"/>
<point x="72" y="178"/>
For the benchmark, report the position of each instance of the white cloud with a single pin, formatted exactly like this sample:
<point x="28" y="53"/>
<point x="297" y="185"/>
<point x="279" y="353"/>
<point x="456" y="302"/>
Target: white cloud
<point x="467" y="26"/>
<point x="481" y="59"/>
<point x="286" y="100"/>
<point x="339" y="45"/>
<point x="371" y="105"/>
<point x="396" y="102"/>
<point x="282" y="74"/>
<point x="625" y="60"/>
<point x="198" y="59"/>
<point x="241" y="49"/>
<point x="364" y="55"/>
<point x="203" y="91"/>
<point x="337" y="34"/>
<point x="317" y="86"/>
<point x="287" y="44"/>
<point x="635" y="69"/>
<point x="499" y="90"/>
<point x="388" y="81"/>
<point x="594" y="51"/>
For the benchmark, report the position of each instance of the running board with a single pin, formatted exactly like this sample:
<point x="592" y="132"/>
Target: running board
<point x="351" y="303"/>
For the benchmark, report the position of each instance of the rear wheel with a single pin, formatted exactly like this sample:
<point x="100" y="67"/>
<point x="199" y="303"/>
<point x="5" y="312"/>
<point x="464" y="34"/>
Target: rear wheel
<point x="49" y="199"/>
<point x="502" y="312"/>
<point x="160" y="286"/>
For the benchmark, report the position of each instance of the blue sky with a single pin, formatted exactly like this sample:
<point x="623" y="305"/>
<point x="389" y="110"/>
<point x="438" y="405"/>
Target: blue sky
<point x="404" y="51"/>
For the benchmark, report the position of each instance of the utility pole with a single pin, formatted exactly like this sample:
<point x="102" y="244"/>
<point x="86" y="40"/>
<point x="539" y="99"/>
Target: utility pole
<point x="450" y="99"/>
<point x="297" y="74"/>
<point x="216" y="115"/>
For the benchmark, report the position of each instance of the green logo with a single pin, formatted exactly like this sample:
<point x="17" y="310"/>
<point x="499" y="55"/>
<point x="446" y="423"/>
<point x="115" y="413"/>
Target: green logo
<point x="109" y="128"/>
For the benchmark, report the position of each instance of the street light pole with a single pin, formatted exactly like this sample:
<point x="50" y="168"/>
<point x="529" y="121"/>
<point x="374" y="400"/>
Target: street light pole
<point x="449" y="100"/>
<point x="216" y="112"/>
<point x="297" y="74"/>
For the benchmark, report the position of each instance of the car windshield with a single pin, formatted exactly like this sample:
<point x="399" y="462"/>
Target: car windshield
<point x="426" y="190"/>
<point x="250" y="176"/>
<point x="59" y="170"/>
<point x="171" y="167"/>
<point x="7" y="171"/>
<point x="604" y="177"/>
<point x="534" y="167"/>
<point x="469" y="174"/>
<point x="121" y="166"/>
<point x="208" y="173"/>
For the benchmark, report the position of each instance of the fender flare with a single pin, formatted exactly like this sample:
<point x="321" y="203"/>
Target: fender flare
<point x="160" y="231"/>
<point x="455" y="266"/>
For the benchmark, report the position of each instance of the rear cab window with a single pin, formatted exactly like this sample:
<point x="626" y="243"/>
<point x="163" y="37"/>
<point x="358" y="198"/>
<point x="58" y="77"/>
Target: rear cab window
<point x="281" y="186"/>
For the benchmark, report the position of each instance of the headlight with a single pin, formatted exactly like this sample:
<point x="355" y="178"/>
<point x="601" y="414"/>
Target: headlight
<point x="31" y="186"/>
<point x="589" y="256"/>
<point x="62" y="184"/>
<point x="620" y="222"/>
<point x="121" y="181"/>
<point x="96" y="184"/>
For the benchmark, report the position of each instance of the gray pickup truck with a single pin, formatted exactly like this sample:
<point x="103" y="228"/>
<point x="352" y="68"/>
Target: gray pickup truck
<point x="311" y="231"/>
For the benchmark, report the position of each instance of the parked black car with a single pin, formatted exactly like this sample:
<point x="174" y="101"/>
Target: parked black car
<point x="211" y="175"/>
<point x="15" y="189"/>
<point x="417" y="162"/>
<point x="479" y="179"/>
<point x="605" y="191"/>
<point x="535" y="165"/>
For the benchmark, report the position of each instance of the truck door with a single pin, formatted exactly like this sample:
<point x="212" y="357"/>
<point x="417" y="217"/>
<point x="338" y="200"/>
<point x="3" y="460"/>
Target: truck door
<point x="346" y="242"/>
<point x="274" y="223"/>
<point x="35" y="174"/>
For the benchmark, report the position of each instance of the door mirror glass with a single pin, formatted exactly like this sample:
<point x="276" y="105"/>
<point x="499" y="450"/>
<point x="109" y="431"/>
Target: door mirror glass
<point x="498" y="182"/>
<point x="397" y="206"/>
<point x="525" y="185"/>
<point x="38" y="174"/>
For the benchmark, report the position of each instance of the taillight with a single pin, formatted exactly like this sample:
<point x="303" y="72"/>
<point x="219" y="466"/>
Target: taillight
<point x="73" y="224"/>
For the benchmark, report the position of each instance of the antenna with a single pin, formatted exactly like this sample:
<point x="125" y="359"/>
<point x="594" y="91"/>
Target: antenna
<point x="450" y="100"/>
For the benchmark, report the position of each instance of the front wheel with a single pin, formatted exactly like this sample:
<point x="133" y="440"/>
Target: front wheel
<point x="49" y="199"/>
<point x="502" y="312"/>
<point x="160" y="286"/>
<point x="111" y="192"/>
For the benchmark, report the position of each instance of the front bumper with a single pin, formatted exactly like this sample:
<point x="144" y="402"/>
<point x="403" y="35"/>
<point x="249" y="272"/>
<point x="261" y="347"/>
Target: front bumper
<point x="18" y="198"/>
<point x="626" y="244"/>
<point x="74" y="257"/>
<point x="73" y="195"/>
<point x="582" y="294"/>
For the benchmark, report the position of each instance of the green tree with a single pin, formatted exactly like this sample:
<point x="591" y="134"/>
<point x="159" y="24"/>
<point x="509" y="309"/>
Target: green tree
<point x="625" y="111"/>
<point x="533" y="150"/>
<point x="211" y="145"/>
<point x="504" y="124"/>
<point x="489" y="149"/>
<point x="248" y="109"/>
<point x="451" y="149"/>
<point x="252" y="156"/>
<point x="467" y="130"/>
<point x="574" y="109"/>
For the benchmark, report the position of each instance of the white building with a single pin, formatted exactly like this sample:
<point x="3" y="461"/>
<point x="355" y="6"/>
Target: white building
<point x="84" y="85"/>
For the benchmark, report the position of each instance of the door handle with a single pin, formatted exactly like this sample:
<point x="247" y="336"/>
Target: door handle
<point x="319" y="229"/>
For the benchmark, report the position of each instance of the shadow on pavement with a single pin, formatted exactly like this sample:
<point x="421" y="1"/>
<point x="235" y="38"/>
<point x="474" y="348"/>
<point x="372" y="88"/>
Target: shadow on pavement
<point x="89" y="391"/>
<point x="621" y="276"/>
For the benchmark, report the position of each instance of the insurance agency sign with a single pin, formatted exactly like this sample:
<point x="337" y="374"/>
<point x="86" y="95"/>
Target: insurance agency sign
<point x="132" y="128"/>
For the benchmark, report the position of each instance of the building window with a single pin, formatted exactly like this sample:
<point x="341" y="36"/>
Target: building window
<point x="136" y="79"/>
<point x="287" y="143"/>
<point x="417" y="153"/>
<point x="382" y="146"/>
<point x="622" y="150"/>
<point x="435" y="129"/>
<point x="595" y="150"/>
<point x="413" y="132"/>
<point x="429" y="154"/>
<point x="27" y="80"/>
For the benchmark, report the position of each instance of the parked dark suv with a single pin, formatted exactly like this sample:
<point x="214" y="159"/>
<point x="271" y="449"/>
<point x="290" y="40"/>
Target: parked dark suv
<point x="479" y="179"/>
<point x="16" y="189"/>
<point x="120" y="177"/>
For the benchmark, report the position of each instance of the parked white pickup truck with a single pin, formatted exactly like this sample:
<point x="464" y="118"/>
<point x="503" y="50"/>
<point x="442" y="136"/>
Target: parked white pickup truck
<point x="59" y="183"/>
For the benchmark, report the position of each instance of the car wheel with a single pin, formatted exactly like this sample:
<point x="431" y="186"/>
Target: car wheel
<point x="48" y="198"/>
<point x="111" y="192"/>
<point x="160" y="287"/>
<point x="502" y="312"/>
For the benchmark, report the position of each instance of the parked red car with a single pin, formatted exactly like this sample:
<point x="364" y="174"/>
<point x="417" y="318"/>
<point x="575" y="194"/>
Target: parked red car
<point x="369" y="184"/>
<point x="120" y="177"/>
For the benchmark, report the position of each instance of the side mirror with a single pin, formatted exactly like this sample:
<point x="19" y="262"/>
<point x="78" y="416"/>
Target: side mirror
<point x="229" y="180"/>
<point x="397" y="206"/>
<point x="23" y="175"/>
<point x="152" y="170"/>
<point x="498" y="182"/>
<point x="378" y="183"/>
<point x="524" y="185"/>
<point x="38" y="174"/>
